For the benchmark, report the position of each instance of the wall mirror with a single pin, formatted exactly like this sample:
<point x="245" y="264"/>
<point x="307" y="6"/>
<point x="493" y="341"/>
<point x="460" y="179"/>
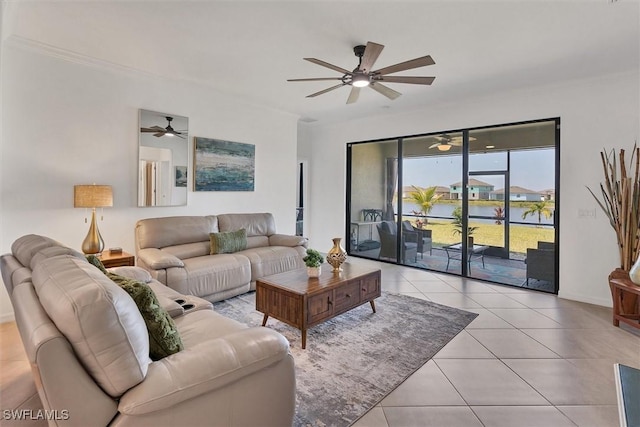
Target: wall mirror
<point x="163" y="159"/>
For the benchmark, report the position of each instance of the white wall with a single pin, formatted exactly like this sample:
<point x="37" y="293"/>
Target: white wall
<point x="595" y="114"/>
<point x="69" y="123"/>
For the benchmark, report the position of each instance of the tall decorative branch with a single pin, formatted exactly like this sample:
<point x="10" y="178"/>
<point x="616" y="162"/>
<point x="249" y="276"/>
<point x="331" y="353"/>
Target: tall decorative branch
<point x="621" y="202"/>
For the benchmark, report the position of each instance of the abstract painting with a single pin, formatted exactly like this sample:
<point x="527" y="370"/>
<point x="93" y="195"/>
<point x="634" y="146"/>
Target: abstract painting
<point x="224" y="165"/>
<point x="181" y="176"/>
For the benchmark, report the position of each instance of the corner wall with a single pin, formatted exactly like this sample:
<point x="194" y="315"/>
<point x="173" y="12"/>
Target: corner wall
<point x="597" y="113"/>
<point x="72" y="121"/>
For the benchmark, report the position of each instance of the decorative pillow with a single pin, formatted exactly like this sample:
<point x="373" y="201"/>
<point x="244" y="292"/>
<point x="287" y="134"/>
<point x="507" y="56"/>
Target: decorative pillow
<point x="228" y="242"/>
<point x="96" y="261"/>
<point x="164" y="338"/>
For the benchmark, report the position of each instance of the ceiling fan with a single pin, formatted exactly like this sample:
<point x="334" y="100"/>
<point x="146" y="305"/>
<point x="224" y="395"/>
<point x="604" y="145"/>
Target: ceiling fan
<point x="167" y="131"/>
<point x="445" y="142"/>
<point x="363" y="76"/>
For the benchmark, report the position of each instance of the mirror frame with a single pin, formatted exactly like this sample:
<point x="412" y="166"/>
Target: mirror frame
<point x="163" y="161"/>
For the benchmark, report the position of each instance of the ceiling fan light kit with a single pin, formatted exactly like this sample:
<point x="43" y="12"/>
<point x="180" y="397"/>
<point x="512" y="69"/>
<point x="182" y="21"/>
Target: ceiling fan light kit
<point x="360" y="80"/>
<point x="362" y="76"/>
<point x="444" y="147"/>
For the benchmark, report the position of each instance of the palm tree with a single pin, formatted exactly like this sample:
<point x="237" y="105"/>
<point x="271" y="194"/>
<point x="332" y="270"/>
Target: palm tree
<point x="424" y="198"/>
<point x="538" y="208"/>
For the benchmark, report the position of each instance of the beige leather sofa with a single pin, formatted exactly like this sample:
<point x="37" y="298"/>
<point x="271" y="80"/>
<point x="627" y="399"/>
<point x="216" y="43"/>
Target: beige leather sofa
<point x="176" y="251"/>
<point x="89" y="350"/>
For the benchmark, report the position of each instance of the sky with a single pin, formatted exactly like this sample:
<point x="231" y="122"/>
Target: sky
<point x="530" y="169"/>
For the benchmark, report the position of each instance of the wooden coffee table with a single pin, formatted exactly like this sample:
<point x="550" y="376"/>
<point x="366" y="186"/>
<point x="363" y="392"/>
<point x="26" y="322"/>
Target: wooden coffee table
<point x="302" y="302"/>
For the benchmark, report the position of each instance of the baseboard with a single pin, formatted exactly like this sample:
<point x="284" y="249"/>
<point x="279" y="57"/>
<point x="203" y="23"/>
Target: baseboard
<point x="604" y="302"/>
<point x="7" y="317"/>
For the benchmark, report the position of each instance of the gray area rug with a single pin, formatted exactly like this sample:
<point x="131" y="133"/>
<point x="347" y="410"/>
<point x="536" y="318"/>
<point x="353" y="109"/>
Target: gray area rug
<point x="354" y="360"/>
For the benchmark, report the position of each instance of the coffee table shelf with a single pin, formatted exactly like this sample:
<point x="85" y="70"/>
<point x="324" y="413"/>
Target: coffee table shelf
<point x="302" y="302"/>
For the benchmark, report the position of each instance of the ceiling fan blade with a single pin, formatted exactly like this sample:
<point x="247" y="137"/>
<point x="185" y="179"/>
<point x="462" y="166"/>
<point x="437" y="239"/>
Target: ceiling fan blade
<point x="152" y="129"/>
<point x="412" y="80"/>
<point x="353" y="96"/>
<point x="326" y="90"/>
<point x="434" y="145"/>
<point x="318" y="79"/>
<point x="159" y="134"/>
<point x="384" y="90"/>
<point x="456" y="143"/>
<point x="330" y="66"/>
<point x="371" y="53"/>
<point x="407" y="65"/>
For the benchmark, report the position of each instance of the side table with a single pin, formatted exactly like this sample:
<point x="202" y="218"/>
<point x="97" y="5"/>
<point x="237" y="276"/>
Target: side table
<point x="117" y="259"/>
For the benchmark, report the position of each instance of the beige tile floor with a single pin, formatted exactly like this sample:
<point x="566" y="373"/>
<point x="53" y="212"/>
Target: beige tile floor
<point x="529" y="359"/>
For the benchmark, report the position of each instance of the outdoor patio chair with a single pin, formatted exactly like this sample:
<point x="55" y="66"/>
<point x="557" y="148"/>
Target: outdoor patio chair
<point x="541" y="262"/>
<point x="388" y="243"/>
<point x="419" y="236"/>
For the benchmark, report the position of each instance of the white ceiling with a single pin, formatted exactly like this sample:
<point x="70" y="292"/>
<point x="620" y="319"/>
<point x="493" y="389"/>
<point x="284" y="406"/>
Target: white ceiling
<point x="249" y="49"/>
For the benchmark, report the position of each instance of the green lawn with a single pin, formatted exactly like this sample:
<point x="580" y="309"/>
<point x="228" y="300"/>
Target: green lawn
<point x="521" y="237"/>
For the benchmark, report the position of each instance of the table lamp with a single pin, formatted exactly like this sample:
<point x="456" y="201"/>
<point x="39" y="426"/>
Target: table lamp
<point x="92" y="196"/>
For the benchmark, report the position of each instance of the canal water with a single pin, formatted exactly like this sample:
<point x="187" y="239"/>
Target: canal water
<point x="445" y="210"/>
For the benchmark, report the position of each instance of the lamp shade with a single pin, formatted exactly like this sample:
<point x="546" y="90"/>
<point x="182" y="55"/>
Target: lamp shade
<point x="92" y="196"/>
<point x="444" y="147"/>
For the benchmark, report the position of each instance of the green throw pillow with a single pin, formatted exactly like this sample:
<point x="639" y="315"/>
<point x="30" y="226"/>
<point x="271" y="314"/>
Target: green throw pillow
<point x="229" y="242"/>
<point x="164" y="338"/>
<point x="96" y="261"/>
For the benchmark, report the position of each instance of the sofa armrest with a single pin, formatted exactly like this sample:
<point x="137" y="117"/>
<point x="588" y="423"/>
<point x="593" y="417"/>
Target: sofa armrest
<point x="287" y="240"/>
<point x="205" y="367"/>
<point x="136" y="273"/>
<point x="157" y="259"/>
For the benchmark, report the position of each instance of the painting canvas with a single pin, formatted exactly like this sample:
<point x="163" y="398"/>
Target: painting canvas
<point x="224" y="165"/>
<point x="181" y="176"/>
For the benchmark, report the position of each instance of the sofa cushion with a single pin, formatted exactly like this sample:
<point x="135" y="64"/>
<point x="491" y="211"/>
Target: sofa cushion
<point x="164" y="338"/>
<point x="99" y="319"/>
<point x="53" y="251"/>
<point x="29" y="245"/>
<point x="256" y="224"/>
<point x="188" y="250"/>
<point x="202" y="277"/>
<point x="228" y="242"/>
<point x="272" y="260"/>
<point x="176" y="230"/>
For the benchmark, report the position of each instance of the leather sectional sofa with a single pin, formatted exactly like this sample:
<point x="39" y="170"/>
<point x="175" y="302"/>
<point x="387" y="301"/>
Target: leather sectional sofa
<point x="88" y="346"/>
<point x="177" y="252"/>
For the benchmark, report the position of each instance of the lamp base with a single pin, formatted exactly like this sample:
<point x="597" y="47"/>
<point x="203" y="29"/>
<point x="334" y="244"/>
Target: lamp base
<point x="93" y="243"/>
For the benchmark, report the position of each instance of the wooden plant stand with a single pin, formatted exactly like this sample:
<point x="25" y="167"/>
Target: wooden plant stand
<point x="626" y="301"/>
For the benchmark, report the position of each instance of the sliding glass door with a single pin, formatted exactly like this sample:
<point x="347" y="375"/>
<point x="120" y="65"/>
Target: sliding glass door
<point x="480" y="203"/>
<point x="431" y="196"/>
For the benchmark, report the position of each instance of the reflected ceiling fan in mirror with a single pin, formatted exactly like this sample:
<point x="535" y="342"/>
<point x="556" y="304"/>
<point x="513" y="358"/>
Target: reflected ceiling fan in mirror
<point x="166" y="131"/>
<point x="363" y="76"/>
<point x="445" y="142"/>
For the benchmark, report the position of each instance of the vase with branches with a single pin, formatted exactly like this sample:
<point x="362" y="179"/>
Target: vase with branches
<point x="620" y="201"/>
